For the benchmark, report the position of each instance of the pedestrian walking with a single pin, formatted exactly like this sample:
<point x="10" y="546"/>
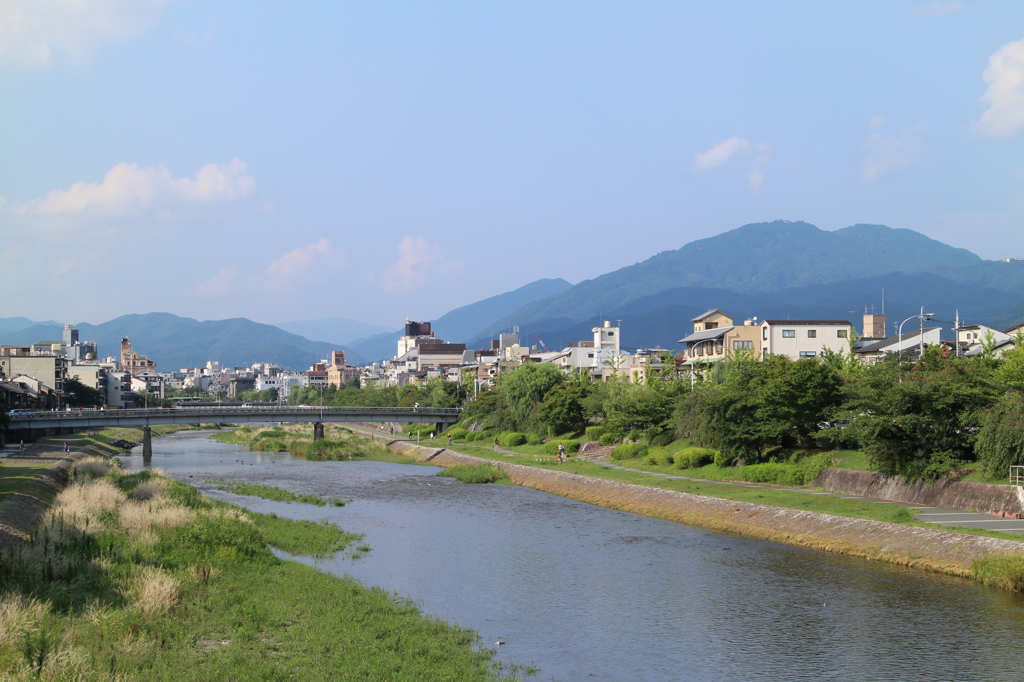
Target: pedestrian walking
<point x="23" y="445"/>
<point x="561" y="452"/>
<point x="449" y="439"/>
<point x="431" y="436"/>
<point x="495" y="443"/>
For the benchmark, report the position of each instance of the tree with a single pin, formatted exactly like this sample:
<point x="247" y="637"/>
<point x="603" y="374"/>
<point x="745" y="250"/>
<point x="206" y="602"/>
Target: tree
<point x="521" y="392"/>
<point x="563" y="408"/>
<point x="80" y="395"/>
<point x="923" y="424"/>
<point x="1000" y="441"/>
<point x="794" y="397"/>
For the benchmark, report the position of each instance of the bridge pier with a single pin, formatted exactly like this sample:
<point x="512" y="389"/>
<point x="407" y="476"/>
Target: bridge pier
<point x="318" y="431"/>
<point x="147" y="442"/>
<point x="441" y="426"/>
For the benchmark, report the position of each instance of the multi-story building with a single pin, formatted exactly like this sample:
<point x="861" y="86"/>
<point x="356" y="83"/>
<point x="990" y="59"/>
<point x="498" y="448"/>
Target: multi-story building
<point x="799" y="339"/>
<point x="715" y="338"/>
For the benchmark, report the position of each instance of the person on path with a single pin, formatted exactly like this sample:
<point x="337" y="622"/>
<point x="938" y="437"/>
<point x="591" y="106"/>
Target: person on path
<point x="561" y="452"/>
<point x="66" y="448"/>
<point x="449" y="439"/>
<point x="415" y="407"/>
<point x="431" y="437"/>
<point x="23" y="445"/>
<point x="495" y="443"/>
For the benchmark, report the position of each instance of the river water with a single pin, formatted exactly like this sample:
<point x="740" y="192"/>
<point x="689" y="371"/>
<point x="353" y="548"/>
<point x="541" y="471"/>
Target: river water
<point x="587" y="593"/>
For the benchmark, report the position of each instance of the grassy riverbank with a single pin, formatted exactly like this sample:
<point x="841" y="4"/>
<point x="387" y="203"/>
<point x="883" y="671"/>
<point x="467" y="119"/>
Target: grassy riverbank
<point x="136" y="576"/>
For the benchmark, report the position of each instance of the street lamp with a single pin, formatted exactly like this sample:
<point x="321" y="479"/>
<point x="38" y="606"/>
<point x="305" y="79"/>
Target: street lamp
<point x="693" y="351"/>
<point x="922" y="317"/>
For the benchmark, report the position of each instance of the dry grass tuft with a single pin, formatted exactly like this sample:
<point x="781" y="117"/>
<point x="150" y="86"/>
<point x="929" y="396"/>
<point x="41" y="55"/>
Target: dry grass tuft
<point x="139" y="518"/>
<point x="84" y="502"/>
<point x="91" y="467"/>
<point x="18" y="614"/>
<point x="155" y="592"/>
<point x="147" y="490"/>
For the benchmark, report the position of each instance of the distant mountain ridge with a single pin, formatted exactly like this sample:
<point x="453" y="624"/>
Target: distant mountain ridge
<point x="174" y="342"/>
<point x="779" y="269"/>
<point x="340" y="330"/>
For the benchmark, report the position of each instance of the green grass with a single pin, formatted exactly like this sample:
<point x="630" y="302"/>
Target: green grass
<point x="14" y="477"/>
<point x="339" y="444"/>
<point x="269" y="492"/>
<point x="475" y="473"/>
<point x="784" y="498"/>
<point x="222" y="605"/>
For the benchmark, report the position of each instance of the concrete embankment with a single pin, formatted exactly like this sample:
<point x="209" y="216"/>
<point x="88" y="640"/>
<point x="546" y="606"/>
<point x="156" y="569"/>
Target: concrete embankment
<point x="936" y="550"/>
<point x="20" y="513"/>
<point x="962" y="495"/>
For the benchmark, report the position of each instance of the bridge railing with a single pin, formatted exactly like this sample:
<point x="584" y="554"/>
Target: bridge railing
<point x="311" y="410"/>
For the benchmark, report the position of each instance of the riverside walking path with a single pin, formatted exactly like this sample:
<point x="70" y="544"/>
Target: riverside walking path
<point x="933" y="515"/>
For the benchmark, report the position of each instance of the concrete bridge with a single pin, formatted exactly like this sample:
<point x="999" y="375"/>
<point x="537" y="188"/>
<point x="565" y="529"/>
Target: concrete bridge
<point x="91" y="419"/>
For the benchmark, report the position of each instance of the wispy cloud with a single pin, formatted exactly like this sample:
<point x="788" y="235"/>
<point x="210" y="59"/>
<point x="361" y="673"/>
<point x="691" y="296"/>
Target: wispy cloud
<point x="418" y="259"/>
<point x="221" y="283"/>
<point x="719" y="154"/>
<point x="724" y="151"/>
<point x="127" y="188"/>
<point x="1005" y="94"/>
<point x="886" y="153"/>
<point x="296" y="265"/>
<point x="33" y="32"/>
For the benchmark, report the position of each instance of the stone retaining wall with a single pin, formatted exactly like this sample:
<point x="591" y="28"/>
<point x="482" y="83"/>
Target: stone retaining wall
<point x="937" y="550"/>
<point x="961" y="495"/>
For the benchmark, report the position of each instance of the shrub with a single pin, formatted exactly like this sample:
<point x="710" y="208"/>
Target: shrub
<point x="608" y="439"/>
<point x="571" y="446"/>
<point x="813" y="465"/>
<point x="474" y="473"/>
<point x="723" y="460"/>
<point x="511" y="439"/>
<point x="457" y="433"/>
<point x="662" y="439"/>
<point x="629" y="451"/>
<point x="694" y="458"/>
<point x="781" y="474"/>
<point x="534" y="439"/>
<point x="659" y="456"/>
<point x="594" y="433"/>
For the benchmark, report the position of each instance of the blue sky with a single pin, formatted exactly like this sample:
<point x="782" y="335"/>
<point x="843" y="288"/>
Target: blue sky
<point x="382" y="160"/>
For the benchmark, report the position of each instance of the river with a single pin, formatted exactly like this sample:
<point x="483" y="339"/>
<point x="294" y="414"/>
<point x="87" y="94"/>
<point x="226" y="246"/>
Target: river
<point x="587" y="593"/>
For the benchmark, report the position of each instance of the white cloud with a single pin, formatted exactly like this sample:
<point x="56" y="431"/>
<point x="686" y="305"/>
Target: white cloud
<point x="1005" y="94"/>
<point x="32" y="32"/>
<point x="127" y="188"/>
<point x="297" y="264"/>
<point x="219" y="284"/>
<point x="936" y="8"/>
<point x="418" y="260"/>
<point x="886" y="153"/>
<point x="719" y="154"/>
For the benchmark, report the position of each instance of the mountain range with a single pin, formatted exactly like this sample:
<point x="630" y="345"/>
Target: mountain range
<point x="174" y="342"/>
<point x="774" y="270"/>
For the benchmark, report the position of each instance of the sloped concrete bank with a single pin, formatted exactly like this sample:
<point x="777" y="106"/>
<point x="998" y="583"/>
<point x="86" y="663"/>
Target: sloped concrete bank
<point x="962" y="495"/>
<point x="935" y="550"/>
<point x="20" y="513"/>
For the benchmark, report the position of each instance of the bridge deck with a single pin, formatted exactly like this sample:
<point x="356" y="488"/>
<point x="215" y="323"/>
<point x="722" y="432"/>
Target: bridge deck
<point x="232" y="415"/>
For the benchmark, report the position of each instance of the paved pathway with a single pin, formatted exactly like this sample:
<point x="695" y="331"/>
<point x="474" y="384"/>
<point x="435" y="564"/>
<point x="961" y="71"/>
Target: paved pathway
<point x="935" y="515"/>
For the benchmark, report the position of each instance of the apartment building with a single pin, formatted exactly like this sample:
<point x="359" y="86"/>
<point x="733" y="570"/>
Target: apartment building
<point x="799" y="339"/>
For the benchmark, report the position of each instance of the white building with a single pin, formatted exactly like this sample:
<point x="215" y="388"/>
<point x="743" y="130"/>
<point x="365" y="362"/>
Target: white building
<point x="799" y="339"/>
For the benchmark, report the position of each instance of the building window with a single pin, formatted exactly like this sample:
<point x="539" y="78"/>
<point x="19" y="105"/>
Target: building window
<point x="841" y="333"/>
<point x="743" y="345"/>
<point x="812" y="333"/>
<point x="764" y="333"/>
<point x="789" y="333"/>
<point x="808" y="354"/>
